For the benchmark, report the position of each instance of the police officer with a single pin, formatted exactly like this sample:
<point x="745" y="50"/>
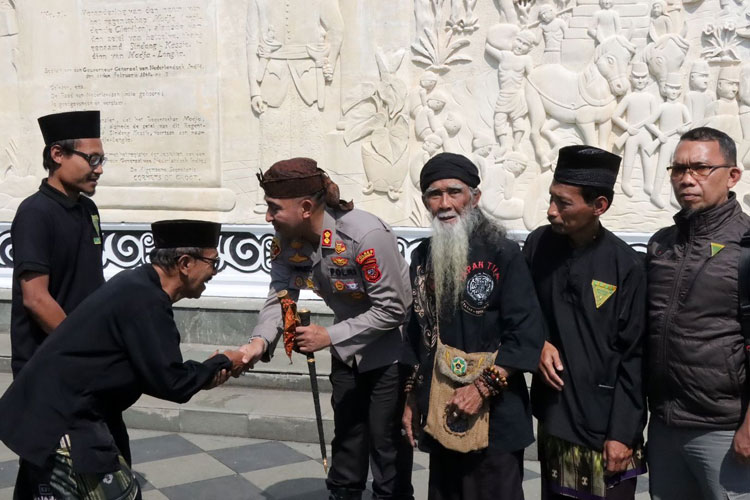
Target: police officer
<point x="349" y="258"/>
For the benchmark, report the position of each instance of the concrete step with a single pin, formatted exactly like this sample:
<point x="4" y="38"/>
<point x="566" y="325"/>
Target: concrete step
<point x="232" y="411"/>
<point x="280" y="373"/>
<point x="272" y="401"/>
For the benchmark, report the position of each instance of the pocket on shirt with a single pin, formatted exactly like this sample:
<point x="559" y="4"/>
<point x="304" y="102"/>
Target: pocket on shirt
<point x="599" y="407"/>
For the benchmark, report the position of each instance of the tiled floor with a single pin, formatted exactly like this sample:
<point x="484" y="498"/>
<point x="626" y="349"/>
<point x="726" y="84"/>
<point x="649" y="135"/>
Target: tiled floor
<point x="198" y="467"/>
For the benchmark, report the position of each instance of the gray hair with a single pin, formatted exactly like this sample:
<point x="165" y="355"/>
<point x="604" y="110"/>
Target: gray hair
<point x="167" y="258"/>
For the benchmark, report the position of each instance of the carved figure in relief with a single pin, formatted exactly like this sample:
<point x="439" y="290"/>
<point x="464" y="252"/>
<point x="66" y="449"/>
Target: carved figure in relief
<point x="665" y="56"/>
<point x="605" y="23"/>
<point x="281" y="52"/>
<point x="632" y="114"/>
<point x="698" y="100"/>
<point x="587" y="99"/>
<point x="432" y="145"/>
<point x="671" y="120"/>
<point x="510" y="108"/>
<point x="553" y="31"/>
<point x="418" y="103"/>
<point x="499" y="179"/>
<point x="724" y="112"/>
<point x="661" y="23"/>
<point x="484" y="155"/>
<point x="450" y="130"/>
<point x="426" y="116"/>
<point x="744" y="97"/>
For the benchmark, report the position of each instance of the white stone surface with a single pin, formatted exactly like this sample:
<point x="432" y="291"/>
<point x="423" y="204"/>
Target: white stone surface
<point x="197" y="95"/>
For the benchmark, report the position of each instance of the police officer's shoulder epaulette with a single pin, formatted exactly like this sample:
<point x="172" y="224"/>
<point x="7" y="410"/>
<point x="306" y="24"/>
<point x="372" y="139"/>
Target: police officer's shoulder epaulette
<point x="358" y="223"/>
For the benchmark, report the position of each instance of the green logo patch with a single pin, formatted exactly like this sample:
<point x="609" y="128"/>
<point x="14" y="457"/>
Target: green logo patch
<point x="716" y="248"/>
<point x="98" y="237"/>
<point x="602" y="292"/>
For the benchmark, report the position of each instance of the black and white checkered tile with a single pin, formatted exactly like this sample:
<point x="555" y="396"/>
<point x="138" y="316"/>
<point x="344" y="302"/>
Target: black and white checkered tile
<point x="197" y="467"/>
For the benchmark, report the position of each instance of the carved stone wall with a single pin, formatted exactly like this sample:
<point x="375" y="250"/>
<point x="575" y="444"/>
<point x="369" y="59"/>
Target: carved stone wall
<point x="197" y="95"/>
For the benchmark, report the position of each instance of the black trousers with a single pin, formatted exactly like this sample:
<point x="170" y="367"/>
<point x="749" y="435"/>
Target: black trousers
<point x="622" y="491"/>
<point x="475" y="476"/>
<point x="367" y="408"/>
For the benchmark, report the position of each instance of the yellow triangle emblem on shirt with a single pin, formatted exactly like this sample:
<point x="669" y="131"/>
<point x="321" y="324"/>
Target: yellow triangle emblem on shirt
<point x="602" y="292"/>
<point x="716" y="248"/>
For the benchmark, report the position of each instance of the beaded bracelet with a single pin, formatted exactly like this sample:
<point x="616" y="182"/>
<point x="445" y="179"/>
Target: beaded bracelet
<point x="495" y="382"/>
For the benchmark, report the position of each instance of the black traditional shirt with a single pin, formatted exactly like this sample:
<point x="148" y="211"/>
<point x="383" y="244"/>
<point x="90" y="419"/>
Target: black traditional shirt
<point x="498" y="312"/>
<point x="54" y="235"/>
<point x="594" y="302"/>
<point x="119" y="343"/>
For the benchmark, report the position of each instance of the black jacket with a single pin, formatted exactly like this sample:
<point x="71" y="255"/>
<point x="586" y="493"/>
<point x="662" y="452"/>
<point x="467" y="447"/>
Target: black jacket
<point x="594" y="302"/>
<point x="697" y="370"/>
<point x="119" y="343"/>
<point x="499" y="311"/>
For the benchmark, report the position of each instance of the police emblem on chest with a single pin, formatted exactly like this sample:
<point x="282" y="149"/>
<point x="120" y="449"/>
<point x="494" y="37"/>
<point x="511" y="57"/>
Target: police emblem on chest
<point x="479" y="287"/>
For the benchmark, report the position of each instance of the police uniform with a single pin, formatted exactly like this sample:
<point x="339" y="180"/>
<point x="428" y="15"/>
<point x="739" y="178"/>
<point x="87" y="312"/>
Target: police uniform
<point x="360" y="274"/>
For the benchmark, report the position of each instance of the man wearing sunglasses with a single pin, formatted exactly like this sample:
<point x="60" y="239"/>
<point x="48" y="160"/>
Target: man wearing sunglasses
<point x="699" y="433"/>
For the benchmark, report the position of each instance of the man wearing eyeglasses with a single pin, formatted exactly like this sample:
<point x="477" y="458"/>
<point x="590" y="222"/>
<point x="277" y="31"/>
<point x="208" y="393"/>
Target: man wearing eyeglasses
<point x="699" y="433"/>
<point x="57" y="241"/>
<point x="119" y="343"/>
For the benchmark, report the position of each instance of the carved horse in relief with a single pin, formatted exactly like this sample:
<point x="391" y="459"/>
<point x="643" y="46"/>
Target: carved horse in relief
<point x="664" y="56"/>
<point x="585" y="99"/>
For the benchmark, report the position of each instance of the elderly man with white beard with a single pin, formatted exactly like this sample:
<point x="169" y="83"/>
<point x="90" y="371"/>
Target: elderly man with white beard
<point x="476" y="327"/>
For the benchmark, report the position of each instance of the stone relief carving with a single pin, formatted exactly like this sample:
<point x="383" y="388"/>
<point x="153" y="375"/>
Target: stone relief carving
<point x="292" y="42"/>
<point x="505" y="82"/>
<point x="671" y="120"/>
<point x="586" y="99"/>
<point x="375" y="111"/>
<point x="438" y="44"/>
<point x="605" y="23"/>
<point x="633" y="113"/>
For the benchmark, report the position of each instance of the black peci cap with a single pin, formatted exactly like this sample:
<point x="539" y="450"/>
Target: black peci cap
<point x="587" y="166"/>
<point x="69" y="125"/>
<point x="185" y="233"/>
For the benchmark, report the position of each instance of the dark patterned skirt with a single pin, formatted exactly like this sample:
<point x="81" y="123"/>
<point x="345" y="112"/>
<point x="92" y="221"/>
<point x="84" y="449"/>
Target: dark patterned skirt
<point x="579" y="472"/>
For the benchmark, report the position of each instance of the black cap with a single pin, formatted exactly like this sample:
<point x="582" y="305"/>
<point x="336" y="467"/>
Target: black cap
<point x="448" y="166"/>
<point x="587" y="166"/>
<point x="185" y="233"/>
<point x="70" y="125"/>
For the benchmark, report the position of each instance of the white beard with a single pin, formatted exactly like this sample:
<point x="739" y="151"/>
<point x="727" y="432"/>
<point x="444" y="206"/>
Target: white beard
<point x="449" y="255"/>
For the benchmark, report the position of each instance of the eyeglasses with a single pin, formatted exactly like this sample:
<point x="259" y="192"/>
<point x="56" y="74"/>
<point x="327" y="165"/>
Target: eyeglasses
<point x="94" y="160"/>
<point x="696" y="171"/>
<point x="215" y="262"/>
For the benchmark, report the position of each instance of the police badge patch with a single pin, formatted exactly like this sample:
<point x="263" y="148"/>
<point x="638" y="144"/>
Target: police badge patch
<point x="275" y="248"/>
<point x="479" y="287"/>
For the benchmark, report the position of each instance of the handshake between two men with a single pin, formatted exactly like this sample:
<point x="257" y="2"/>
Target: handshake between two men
<point x="305" y="339"/>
